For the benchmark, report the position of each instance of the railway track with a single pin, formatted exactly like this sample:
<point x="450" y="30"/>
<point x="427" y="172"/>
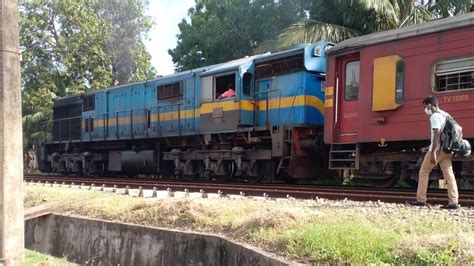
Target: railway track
<point x="435" y="196"/>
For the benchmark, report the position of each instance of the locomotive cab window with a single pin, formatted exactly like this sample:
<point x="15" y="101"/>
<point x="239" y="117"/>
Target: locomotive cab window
<point x="206" y="89"/>
<point x="88" y="103"/>
<point x="172" y="90"/>
<point x="454" y="75"/>
<point x="351" y="91"/>
<point x="225" y="86"/>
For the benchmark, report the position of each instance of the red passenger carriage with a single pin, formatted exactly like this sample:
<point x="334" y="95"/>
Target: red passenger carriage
<point x="375" y="85"/>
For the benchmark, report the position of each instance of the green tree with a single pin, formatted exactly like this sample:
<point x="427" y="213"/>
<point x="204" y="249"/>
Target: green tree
<point x="76" y="46"/>
<point x="220" y="31"/>
<point x="337" y="20"/>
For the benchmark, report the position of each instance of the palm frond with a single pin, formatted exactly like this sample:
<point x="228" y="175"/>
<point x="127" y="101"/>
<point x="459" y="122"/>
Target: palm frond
<point x="37" y="117"/>
<point x="386" y="10"/>
<point x="267" y="46"/>
<point x="446" y="8"/>
<point x="310" y="31"/>
<point x="39" y="136"/>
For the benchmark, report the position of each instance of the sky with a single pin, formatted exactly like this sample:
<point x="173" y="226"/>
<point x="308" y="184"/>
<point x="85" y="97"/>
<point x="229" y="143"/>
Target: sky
<point x="167" y="14"/>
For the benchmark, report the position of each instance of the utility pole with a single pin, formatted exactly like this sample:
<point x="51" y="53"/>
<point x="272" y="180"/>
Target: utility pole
<point x="11" y="138"/>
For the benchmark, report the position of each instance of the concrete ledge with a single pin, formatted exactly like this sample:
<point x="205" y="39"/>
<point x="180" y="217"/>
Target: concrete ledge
<point x="97" y="242"/>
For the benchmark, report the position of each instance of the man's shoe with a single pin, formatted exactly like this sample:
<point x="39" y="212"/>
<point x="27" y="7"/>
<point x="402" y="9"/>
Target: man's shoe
<point x="416" y="203"/>
<point x="451" y="206"/>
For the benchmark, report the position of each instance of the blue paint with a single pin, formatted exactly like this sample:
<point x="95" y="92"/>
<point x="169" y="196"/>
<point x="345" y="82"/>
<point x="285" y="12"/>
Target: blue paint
<point x="140" y="99"/>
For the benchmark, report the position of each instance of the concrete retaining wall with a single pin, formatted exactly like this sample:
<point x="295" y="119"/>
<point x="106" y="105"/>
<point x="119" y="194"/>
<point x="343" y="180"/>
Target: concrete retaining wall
<point x="99" y="242"/>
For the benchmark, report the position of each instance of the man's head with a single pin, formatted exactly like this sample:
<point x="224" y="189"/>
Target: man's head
<point x="431" y="105"/>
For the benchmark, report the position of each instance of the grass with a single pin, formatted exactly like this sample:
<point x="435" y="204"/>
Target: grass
<point x="341" y="241"/>
<point x="39" y="259"/>
<point x="306" y="231"/>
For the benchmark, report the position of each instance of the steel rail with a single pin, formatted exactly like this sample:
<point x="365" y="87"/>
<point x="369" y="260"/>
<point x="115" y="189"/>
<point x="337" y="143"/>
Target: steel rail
<point x="437" y="196"/>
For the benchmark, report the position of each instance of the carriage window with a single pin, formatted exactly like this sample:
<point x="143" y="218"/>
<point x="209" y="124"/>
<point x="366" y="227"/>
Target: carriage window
<point x="247" y="83"/>
<point x="399" y="79"/>
<point x="88" y="103"/>
<point x="172" y="90"/>
<point x="206" y="89"/>
<point x="351" y="92"/>
<point x="223" y="86"/>
<point x="454" y="75"/>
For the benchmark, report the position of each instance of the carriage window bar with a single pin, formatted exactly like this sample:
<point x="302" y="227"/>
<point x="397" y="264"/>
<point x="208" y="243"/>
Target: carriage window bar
<point x="172" y="90"/>
<point x="454" y="75"/>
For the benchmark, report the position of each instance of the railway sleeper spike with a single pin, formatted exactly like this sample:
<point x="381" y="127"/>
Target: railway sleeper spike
<point x="186" y="193"/>
<point x="127" y="190"/>
<point x="103" y="187"/>
<point x="115" y="188"/>
<point x="155" y="194"/>
<point x="203" y="193"/>
<point x="140" y="191"/>
<point x="170" y="192"/>
<point x="242" y="193"/>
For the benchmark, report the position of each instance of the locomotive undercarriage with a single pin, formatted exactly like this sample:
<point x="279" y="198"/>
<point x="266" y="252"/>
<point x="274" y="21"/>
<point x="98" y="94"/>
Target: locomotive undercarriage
<point x="278" y="153"/>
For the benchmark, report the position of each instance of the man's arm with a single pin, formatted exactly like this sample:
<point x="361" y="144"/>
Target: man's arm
<point x="435" y="140"/>
<point x="435" y="143"/>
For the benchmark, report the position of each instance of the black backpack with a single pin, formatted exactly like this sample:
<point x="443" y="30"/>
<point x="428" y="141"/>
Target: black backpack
<point x="451" y="136"/>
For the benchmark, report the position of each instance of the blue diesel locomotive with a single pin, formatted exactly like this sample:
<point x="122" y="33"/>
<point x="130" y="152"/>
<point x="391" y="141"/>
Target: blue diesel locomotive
<point x="252" y="118"/>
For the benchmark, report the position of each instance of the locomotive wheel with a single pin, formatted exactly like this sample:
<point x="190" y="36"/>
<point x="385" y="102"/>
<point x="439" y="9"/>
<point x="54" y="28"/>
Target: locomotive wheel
<point x="229" y="168"/>
<point x="195" y="172"/>
<point x="256" y="174"/>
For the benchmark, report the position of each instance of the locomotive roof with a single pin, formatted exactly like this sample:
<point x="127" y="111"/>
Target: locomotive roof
<point x="406" y="32"/>
<point x="294" y="50"/>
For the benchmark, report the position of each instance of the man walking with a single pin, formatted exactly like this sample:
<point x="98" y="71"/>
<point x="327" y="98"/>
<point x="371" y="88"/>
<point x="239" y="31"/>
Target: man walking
<point x="435" y="156"/>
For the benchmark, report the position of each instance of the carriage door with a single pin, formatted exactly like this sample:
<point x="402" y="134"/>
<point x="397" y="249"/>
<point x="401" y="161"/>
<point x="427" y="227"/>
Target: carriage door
<point x="246" y="116"/>
<point x="348" y="93"/>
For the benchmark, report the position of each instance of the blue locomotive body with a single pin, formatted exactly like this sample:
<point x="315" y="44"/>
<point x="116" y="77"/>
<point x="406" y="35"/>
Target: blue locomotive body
<point x="182" y="124"/>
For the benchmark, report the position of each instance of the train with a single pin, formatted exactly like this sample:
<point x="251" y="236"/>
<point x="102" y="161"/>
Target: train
<point x="312" y="111"/>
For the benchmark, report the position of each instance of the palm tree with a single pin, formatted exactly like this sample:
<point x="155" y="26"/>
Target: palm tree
<point x="337" y="20"/>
